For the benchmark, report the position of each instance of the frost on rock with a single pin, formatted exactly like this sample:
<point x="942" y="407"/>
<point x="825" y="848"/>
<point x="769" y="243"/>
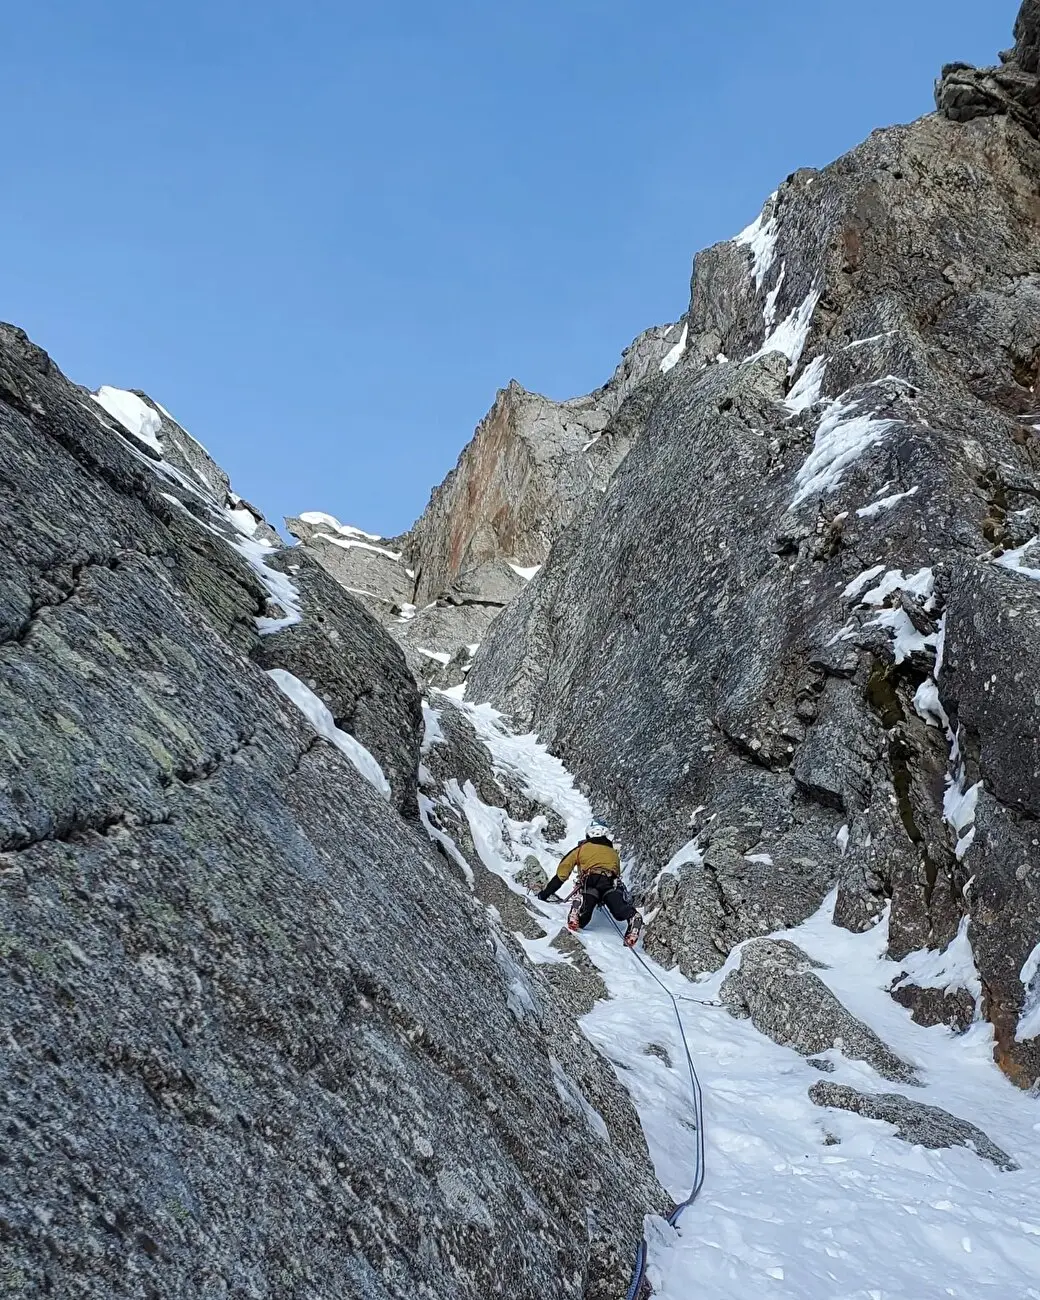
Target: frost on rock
<point x="671" y="358"/>
<point x="576" y="1102"/>
<point x="886" y="503"/>
<point x="842" y="437"/>
<point x="136" y="417"/>
<point x="1029" y="1020"/>
<point x="519" y="998"/>
<point x="1015" y="560"/>
<point x="951" y="969"/>
<point x="806" y="392"/>
<point x="760" y="237"/>
<point x="318" y="715"/>
<point x="792" y="334"/>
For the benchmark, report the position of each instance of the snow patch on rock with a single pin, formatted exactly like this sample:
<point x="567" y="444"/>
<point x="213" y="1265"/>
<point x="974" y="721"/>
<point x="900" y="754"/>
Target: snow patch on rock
<point x="318" y="715"/>
<point x="792" y="334"/>
<point x="842" y="437"/>
<point x="760" y="237"/>
<point x="886" y="503"/>
<point x="136" y="417"/>
<point x="671" y="358"/>
<point x="806" y="392"/>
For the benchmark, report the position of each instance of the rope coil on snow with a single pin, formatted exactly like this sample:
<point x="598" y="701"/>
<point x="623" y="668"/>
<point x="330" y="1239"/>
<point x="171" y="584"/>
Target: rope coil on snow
<point x="639" y="1275"/>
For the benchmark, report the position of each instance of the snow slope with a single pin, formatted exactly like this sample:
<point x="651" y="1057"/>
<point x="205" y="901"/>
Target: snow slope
<point x="800" y="1202"/>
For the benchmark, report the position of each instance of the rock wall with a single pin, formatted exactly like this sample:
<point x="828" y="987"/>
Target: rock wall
<point x="531" y="467"/>
<point x="258" y="1037"/>
<point x="799" y="627"/>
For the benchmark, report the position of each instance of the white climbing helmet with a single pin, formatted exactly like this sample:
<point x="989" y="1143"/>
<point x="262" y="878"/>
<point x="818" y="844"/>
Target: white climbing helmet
<point x="597" y="831"/>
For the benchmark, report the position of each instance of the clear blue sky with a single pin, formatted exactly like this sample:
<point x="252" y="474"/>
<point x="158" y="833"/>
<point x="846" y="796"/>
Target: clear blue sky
<point x="323" y="233"/>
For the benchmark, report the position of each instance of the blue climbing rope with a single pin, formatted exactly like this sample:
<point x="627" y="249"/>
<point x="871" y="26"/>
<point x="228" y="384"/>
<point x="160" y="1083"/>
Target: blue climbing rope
<point x="639" y="1275"/>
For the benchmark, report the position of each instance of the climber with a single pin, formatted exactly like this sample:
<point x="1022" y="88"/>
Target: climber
<point x="599" y="881"/>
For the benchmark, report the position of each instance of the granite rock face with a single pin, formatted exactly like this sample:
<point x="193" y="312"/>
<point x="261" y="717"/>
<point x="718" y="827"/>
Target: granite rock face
<point x="964" y="93"/>
<point x="954" y="1008"/>
<point x="926" y="1126"/>
<point x="777" y="988"/>
<point x="529" y="469"/>
<point x="259" y="1039"/>
<point x="532" y="466"/>
<point x="743" y="636"/>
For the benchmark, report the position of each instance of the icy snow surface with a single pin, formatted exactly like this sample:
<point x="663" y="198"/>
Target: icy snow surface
<point x="886" y="503"/>
<point x="324" y="724"/>
<point x="671" y="358"/>
<point x="243" y="520"/>
<point x="806" y="392"/>
<point x="800" y="1203"/>
<point x="135" y="416"/>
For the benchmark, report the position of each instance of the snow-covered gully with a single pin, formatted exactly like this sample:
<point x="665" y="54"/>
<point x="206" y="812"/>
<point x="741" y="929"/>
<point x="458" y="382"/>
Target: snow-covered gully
<point x="800" y="1201"/>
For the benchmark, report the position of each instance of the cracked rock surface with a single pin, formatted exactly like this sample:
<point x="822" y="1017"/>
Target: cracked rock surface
<point x="802" y="610"/>
<point x="921" y="1125"/>
<point x="776" y="987"/>
<point x="258" y="1037"/>
<point x="531" y="467"/>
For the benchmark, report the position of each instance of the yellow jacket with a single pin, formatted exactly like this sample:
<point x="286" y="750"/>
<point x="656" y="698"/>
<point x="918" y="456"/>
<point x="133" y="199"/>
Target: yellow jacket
<point x="590" y="855"/>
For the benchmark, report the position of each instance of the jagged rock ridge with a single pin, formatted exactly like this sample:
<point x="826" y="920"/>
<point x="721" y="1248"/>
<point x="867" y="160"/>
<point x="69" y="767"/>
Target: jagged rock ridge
<point x="532" y="465"/>
<point x="801" y="624"/>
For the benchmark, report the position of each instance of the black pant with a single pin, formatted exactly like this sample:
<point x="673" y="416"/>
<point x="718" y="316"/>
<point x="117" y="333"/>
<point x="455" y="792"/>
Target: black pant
<point x="601" y="887"/>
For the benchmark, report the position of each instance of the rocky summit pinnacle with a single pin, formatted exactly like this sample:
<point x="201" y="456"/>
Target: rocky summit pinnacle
<point x="280" y="1017"/>
<point x="531" y="467"/>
